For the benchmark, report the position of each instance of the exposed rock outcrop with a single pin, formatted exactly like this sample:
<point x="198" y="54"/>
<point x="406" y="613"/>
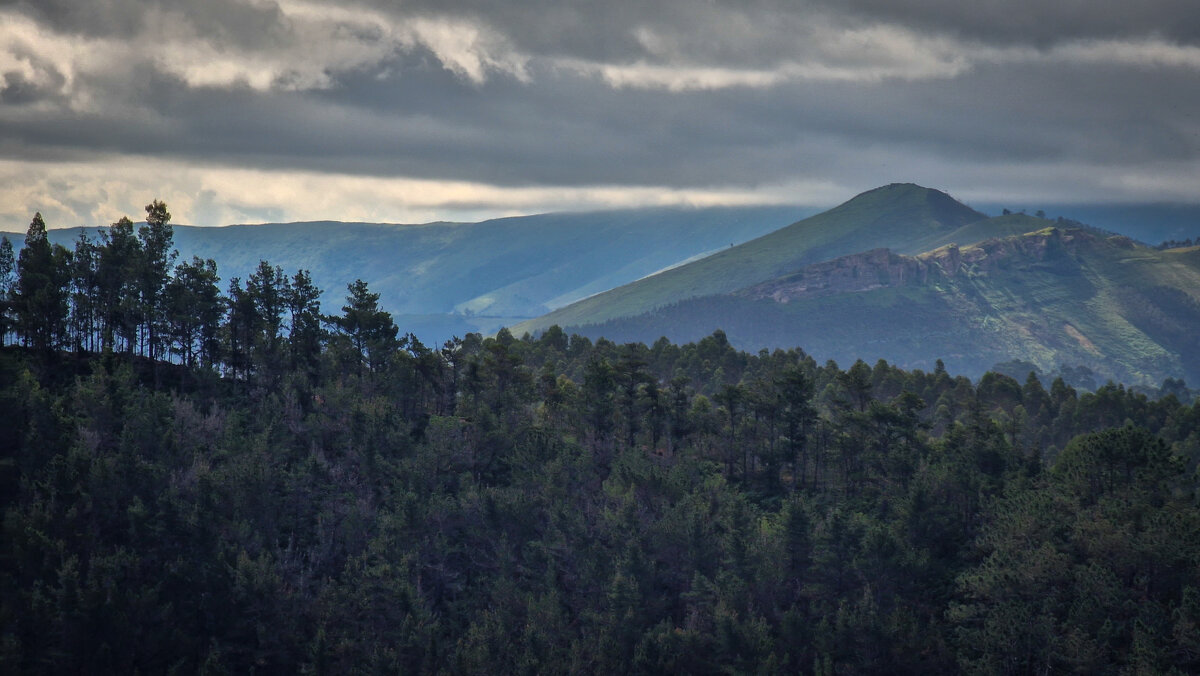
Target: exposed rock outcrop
<point x="880" y="268"/>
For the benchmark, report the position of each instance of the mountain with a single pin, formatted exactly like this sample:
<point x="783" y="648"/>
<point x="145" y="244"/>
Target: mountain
<point x="903" y="217"/>
<point x="444" y="279"/>
<point x="1050" y="297"/>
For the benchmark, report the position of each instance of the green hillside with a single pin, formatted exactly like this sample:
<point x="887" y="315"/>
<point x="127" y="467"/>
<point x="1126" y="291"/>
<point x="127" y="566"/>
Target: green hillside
<point x="444" y="279"/>
<point x="1052" y="297"/>
<point x="903" y="217"/>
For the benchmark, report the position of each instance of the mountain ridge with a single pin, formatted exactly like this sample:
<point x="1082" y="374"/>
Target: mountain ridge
<point x="912" y="216"/>
<point x="1051" y="297"/>
<point x="444" y="278"/>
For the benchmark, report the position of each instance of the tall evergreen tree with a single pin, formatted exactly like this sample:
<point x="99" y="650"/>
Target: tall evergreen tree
<point x="119" y="262"/>
<point x="8" y="269"/>
<point x="241" y="327"/>
<point x="194" y="309"/>
<point x="798" y="415"/>
<point x="41" y="299"/>
<point x="369" y="327"/>
<point x="268" y="288"/>
<point x="157" y="257"/>
<point x="84" y="292"/>
<point x="305" y="337"/>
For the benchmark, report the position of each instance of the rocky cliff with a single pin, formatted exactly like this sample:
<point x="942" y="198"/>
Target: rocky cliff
<point x="881" y="268"/>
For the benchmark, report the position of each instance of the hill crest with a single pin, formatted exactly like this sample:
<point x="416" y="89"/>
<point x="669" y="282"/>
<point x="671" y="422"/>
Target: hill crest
<point x="1052" y="297"/>
<point x="903" y="217"/>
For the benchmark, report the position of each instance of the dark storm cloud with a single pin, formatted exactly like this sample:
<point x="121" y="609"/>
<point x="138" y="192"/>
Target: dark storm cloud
<point x="429" y="125"/>
<point x="669" y="94"/>
<point x="604" y="30"/>
<point x="224" y="21"/>
<point x="1035" y="21"/>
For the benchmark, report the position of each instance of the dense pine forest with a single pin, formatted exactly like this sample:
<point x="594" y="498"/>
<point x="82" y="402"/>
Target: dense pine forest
<point x="262" y="480"/>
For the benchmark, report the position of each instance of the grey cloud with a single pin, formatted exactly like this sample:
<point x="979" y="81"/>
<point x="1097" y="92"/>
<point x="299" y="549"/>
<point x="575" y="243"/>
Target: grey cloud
<point x="1035" y="21"/>
<point x="239" y="22"/>
<point x="569" y="131"/>
<point x="729" y="32"/>
<point x="404" y="114"/>
<point x="716" y="30"/>
<point x="18" y="89"/>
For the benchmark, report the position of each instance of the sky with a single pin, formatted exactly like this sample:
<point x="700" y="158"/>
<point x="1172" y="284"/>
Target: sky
<point x="244" y="111"/>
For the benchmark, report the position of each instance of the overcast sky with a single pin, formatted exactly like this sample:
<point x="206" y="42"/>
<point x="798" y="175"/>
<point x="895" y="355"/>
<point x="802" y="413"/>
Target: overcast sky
<point x="417" y="110"/>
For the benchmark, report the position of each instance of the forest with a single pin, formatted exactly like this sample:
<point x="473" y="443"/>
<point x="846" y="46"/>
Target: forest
<point x="248" y="481"/>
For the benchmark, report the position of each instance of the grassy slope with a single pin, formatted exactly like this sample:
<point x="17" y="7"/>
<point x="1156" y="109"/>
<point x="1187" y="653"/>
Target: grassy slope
<point x="1129" y="313"/>
<point x="904" y="217"/>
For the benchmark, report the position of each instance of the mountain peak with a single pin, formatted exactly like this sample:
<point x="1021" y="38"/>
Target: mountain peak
<point x="904" y="217"/>
<point x="894" y="194"/>
<point x="908" y="205"/>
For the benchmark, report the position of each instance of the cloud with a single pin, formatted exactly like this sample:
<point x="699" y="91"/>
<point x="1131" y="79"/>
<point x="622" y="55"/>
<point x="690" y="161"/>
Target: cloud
<point x="87" y="193"/>
<point x="1144" y="52"/>
<point x="479" y="107"/>
<point x="1034" y="22"/>
<point x="866" y="55"/>
<point x="290" y="46"/>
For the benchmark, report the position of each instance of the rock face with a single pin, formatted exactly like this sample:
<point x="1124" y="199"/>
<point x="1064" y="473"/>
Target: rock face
<point x="988" y="255"/>
<point x="880" y="268"/>
<point x="869" y="270"/>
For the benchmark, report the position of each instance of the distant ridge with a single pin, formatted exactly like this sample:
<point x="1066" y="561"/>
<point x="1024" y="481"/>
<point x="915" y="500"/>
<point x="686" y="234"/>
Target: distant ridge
<point x="904" y="217"/>
<point x="1049" y="297"/>
<point x="444" y="279"/>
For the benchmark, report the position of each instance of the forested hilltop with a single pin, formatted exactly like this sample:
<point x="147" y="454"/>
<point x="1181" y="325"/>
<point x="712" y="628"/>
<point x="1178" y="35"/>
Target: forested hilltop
<point x="246" y="482"/>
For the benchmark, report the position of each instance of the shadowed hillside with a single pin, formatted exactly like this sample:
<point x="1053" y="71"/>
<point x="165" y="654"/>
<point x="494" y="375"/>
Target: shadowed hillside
<point x="904" y="217"/>
<point x="1049" y="297"/>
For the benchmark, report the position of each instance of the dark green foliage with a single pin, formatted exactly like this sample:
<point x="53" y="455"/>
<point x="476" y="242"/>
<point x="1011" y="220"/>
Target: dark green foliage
<point x="1090" y="569"/>
<point x="155" y="268"/>
<point x="194" y="309"/>
<point x="120" y="257"/>
<point x="369" y="328"/>
<point x="8" y="270"/>
<point x="40" y="298"/>
<point x="286" y="500"/>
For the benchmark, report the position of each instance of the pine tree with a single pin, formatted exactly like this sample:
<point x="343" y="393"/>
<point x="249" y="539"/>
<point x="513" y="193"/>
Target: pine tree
<point x="84" y="292"/>
<point x="119" y="261"/>
<point x="268" y="289"/>
<point x="306" y="335"/>
<point x="157" y="256"/>
<point x="41" y="299"/>
<point x="193" y="308"/>
<point x="370" y="328"/>
<point x="8" y="268"/>
<point x="241" y="326"/>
